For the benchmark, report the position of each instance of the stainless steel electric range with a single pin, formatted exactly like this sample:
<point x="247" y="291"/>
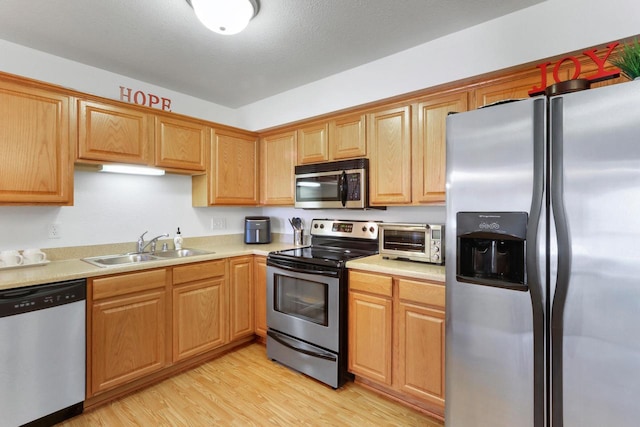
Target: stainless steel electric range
<point x="307" y="293"/>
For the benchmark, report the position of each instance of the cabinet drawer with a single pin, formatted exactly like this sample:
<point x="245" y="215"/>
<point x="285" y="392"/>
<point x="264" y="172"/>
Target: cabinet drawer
<point x="421" y="292"/>
<point x="128" y="283"/>
<point x="199" y="271"/>
<point x="373" y="283"/>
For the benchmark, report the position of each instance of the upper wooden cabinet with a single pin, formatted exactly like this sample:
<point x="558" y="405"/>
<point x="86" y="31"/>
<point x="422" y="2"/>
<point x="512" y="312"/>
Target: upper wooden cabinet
<point x="429" y="146"/>
<point x="348" y="137"/>
<point x="277" y="166"/>
<point x="313" y="144"/>
<point x="37" y="155"/>
<point x="389" y="140"/>
<point x="341" y="138"/>
<point x="113" y="132"/>
<point x="181" y="145"/>
<point x="232" y="175"/>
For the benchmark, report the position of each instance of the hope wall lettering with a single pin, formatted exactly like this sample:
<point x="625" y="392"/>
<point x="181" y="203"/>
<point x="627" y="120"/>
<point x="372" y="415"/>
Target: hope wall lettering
<point x="147" y="99"/>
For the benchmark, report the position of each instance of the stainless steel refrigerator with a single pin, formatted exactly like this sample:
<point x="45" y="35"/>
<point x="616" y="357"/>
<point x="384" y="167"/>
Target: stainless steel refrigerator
<point x="543" y="262"/>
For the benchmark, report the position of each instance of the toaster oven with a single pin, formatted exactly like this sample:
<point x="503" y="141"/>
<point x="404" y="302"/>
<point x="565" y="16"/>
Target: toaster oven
<point x="413" y="242"/>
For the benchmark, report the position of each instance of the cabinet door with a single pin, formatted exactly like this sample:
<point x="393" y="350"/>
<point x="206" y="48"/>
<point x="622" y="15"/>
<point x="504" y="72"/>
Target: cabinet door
<point x="347" y="137"/>
<point x="421" y="344"/>
<point x="389" y="141"/>
<point x="313" y="144"/>
<point x="370" y="341"/>
<point x="36" y="160"/>
<point x="128" y="339"/>
<point x="278" y="157"/>
<point x="198" y="317"/>
<point x="232" y="176"/>
<point x="241" y="297"/>
<point x="260" y="282"/>
<point x="181" y="144"/>
<point x="235" y="167"/>
<point x="429" y="149"/>
<point x="112" y="133"/>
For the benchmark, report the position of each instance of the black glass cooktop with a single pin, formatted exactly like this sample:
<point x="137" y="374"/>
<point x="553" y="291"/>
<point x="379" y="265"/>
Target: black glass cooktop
<point x="334" y="242"/>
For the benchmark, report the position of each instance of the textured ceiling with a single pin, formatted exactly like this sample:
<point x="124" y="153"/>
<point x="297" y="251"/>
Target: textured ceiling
<point x="288" y="44"/>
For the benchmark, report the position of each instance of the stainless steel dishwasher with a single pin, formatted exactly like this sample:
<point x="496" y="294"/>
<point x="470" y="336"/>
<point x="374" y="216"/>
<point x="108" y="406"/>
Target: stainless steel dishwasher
<point x="42" y="353"/>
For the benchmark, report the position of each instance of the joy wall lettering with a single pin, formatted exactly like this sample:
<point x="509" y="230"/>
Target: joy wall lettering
<point x="599" y="75"/>
<point x="142" y="98"/>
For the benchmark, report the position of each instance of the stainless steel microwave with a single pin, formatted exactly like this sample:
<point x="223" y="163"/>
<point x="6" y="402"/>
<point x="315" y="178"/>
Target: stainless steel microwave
<point x="413" y="242"/>
<point x="333" y="185"/>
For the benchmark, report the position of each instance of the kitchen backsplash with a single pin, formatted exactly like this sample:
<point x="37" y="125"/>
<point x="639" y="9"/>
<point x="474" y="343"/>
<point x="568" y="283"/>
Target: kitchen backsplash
<point x="111" y="208"/>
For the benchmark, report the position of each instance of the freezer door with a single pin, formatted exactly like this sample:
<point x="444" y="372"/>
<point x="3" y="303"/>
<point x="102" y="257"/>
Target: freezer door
<point x="492" y="157"/>
<point x="596" y="306"/>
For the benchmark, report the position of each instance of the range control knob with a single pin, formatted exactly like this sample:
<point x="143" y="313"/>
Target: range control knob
<point x="315" y="225"/>
<point x="435" y="257"/>
<point x="435" y="249"/>
<point x="371" y="229"/>
<point x="364" y="228"/>
<point x="321" y="226"/>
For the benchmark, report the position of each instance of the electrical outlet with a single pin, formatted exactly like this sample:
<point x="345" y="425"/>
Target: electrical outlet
<point x="218" y="223"/>
<point x="54" y="231"/>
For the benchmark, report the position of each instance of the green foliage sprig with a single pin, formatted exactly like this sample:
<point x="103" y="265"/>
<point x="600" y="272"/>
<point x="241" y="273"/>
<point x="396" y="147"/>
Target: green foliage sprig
<point x="628" y="59"/>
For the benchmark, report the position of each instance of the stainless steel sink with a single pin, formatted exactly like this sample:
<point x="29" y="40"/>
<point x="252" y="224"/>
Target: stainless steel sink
<point x="179" y="253"/>
<point x="133" y="258"/>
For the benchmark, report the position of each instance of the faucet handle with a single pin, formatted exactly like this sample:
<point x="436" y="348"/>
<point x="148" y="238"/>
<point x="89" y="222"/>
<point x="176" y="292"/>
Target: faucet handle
<point x="142" y="236"/>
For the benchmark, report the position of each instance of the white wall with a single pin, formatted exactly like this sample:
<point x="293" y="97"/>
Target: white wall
<point x="23" y="61"/>
<point x="111" y="209"/>
<point x="548" y="29"/>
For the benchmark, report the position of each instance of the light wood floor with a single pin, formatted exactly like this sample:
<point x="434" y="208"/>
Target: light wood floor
<point x="244" y="388"/>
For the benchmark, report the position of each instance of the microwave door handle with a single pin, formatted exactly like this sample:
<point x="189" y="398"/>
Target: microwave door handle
<point x="343" y="188"/>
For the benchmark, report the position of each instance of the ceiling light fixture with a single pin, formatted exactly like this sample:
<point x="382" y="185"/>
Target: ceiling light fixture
<point x="225" y="16"/>
<point x="133" y="170"/>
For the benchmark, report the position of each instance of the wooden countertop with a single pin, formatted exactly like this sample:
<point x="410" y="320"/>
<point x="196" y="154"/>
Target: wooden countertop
<point x="74" y="268"/>
<point x="416" y="270"/>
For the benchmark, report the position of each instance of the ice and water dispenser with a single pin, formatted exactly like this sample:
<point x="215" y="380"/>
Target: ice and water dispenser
<point x="491" y="248"/>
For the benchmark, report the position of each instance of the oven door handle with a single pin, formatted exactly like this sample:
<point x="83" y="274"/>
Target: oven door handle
<point x="306" y="270"/>
<point x="297" y="346"/>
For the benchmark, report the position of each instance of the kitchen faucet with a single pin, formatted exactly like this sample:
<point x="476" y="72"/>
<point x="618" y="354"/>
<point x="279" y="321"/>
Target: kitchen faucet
<point x="142" y="246"/>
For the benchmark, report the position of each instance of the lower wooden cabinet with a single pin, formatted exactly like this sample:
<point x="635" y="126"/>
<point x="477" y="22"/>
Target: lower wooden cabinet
<point x="370" y="344"/>
<point x="260" y="306"/>
<point x="397" y="337"/>
<point x="370" y="326"/>
<point x="241" y="294"/>
<point x="421" y="340"/>
<point x="128" y="328"/>
<point x="147" y="325"/>
<point x="199" y="308"/>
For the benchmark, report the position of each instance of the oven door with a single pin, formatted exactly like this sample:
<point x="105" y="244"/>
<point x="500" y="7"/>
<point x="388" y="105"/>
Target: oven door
<point x="304" y="305"/>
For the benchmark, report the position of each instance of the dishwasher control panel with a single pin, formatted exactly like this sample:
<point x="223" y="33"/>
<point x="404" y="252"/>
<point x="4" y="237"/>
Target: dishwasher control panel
<point x="32" y="298"/>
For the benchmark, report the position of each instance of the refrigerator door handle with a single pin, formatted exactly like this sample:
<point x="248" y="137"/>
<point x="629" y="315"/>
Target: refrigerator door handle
<point x="532" y="261"/>
<point x="564" y="259"/>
